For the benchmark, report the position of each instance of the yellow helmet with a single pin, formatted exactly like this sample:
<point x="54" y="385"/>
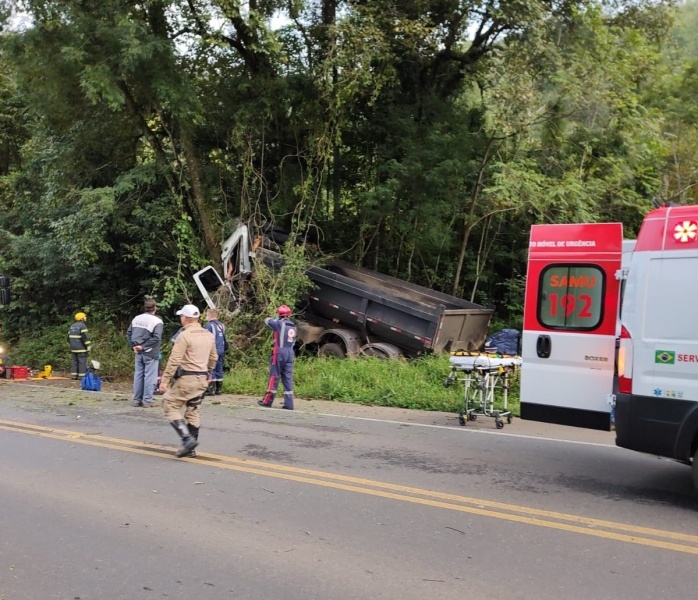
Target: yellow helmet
<point x="81" y="316"/>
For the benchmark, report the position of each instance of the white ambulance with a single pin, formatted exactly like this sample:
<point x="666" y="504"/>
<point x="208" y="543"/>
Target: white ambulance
<point x="572" y="322"/>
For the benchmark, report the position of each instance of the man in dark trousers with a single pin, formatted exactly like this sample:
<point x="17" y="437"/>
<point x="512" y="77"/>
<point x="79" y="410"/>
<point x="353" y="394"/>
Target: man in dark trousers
<point x="188" y="370"/>
<point x="144" y="335"/>
<point x="282" y="357"/>
<point x="218" y="330"/>
<point x="79" y="340"/>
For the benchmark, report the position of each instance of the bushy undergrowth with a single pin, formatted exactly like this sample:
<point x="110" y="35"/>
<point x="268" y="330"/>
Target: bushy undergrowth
<point x="415" y="384"/>
<point x="35" y="351"/>
<point x="109" y="347"/>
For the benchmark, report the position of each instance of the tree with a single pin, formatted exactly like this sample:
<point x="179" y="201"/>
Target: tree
<point x="418" y="138"/>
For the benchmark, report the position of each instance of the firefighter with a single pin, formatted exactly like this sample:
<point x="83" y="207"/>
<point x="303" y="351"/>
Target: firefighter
<point x="282" y="357"/>
<point x="218" y="330"/>
<point x="79" y="340"/>
<point x="188" y="369"/>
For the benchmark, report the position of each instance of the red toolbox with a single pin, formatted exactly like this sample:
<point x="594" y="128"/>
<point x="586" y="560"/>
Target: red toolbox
<point x="19" y="373"/>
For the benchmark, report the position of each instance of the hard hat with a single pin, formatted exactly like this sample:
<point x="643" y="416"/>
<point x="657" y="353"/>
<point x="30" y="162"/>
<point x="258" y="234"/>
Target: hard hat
<point x="283" y="311"/>
<point x="81" y="316"/>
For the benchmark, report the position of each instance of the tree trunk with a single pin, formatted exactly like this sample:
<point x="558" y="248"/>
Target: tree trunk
<point x="468" y="220"/>
<point x="198" y="197"/>
<point x="135" y="111"/>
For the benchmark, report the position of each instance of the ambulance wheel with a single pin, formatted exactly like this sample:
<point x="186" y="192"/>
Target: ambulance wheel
<point x="472" y="417"/>
<point x="695" y="469"/>
<point x="461" y="420"/>
<point x="500" y="424"/>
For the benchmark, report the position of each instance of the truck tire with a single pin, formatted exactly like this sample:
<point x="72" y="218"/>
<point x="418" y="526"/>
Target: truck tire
<point x="382" y="350"/>
<point x="332" y="350"/>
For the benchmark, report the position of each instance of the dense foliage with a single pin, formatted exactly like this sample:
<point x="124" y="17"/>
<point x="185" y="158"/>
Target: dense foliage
<point x="420" y="138"/>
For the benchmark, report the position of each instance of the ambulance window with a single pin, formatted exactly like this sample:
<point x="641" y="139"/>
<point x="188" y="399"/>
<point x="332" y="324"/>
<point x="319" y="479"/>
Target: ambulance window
<point x="670" y="299"/>
<point x="571" y="297"/>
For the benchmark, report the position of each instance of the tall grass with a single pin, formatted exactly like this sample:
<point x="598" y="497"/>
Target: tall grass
<point x="417" y="384"/>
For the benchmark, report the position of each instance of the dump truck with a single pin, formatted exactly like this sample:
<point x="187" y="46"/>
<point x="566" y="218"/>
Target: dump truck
<point x="351" y="310"/>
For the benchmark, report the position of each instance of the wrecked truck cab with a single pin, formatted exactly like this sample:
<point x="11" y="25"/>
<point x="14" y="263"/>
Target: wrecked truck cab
<point x="351" y="310"/>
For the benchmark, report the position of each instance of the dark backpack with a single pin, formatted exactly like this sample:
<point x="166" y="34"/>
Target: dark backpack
<point x="505" y="341"/>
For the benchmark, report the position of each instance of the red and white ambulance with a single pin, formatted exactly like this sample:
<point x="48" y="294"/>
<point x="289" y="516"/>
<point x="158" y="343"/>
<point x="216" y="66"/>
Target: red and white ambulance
<point x="570" y="322"/>
<point x="573" y="317"/>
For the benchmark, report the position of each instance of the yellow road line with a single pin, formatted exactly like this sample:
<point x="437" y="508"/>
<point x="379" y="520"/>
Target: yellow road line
<point x="498" y="510"/>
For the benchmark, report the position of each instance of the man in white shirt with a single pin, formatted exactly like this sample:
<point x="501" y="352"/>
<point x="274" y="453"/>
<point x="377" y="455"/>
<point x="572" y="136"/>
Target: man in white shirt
<point x="145" y="338"/>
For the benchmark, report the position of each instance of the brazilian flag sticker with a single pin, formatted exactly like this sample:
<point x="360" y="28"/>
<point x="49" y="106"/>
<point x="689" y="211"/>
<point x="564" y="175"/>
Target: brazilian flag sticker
<point x="664" y="357"/>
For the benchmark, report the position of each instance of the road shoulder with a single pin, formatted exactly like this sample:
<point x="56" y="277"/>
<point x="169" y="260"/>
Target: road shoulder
<point x="116" y="397"/>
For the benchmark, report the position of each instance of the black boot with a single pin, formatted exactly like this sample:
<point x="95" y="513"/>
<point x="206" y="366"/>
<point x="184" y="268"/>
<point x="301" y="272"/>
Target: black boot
<point x="188" y="440"/>
<point x="210" y="390"/>
<point x="219" y="387"/>
<point x="195" y="434"/>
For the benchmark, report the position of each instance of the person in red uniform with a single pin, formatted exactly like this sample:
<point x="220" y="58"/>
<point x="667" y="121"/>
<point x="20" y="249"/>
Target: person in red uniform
<point x="282" y="357"/>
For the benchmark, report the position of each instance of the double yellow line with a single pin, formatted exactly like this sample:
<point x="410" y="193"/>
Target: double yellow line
<point x="644" y="536"/>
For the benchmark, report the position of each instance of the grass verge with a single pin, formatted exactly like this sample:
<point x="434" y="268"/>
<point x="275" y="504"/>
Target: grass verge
<point x="415" y="384"/>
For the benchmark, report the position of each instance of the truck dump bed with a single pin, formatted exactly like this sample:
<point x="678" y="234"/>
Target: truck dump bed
<point x="413" y="318"/>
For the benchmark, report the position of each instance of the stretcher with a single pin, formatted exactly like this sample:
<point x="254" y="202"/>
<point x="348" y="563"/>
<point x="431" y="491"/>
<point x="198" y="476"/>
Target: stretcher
<point x="483" y="375"/>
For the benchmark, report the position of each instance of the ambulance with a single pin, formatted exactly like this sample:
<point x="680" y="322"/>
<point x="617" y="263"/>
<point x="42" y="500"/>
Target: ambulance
<point x="611" y="331"/>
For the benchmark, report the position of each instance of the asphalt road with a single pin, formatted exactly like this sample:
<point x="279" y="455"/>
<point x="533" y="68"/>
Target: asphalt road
<point x="328" y="501"/>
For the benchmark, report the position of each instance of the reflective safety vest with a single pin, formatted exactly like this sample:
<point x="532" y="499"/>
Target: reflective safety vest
<point x="79" y="337"/>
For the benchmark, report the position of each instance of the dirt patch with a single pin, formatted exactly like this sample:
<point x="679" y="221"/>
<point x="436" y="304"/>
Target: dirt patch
<point x="115" y="394"/>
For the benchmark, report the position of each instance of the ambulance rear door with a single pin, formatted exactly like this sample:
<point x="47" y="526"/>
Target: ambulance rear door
<point x="657" y="409"/>
<point x="570" y="319"/>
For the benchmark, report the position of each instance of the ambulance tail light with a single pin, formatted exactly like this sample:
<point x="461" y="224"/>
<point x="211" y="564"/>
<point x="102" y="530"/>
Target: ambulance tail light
<point x="625" y="362"/>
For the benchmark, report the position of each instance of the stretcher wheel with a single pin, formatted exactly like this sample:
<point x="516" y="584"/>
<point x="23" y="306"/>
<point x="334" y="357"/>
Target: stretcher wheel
<point x="447" y="382"/>
<point x="500" y="424"/>
<point x="472" y="417"/>
<point x="461" y="420"/>
<point x="509" y="419"/>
